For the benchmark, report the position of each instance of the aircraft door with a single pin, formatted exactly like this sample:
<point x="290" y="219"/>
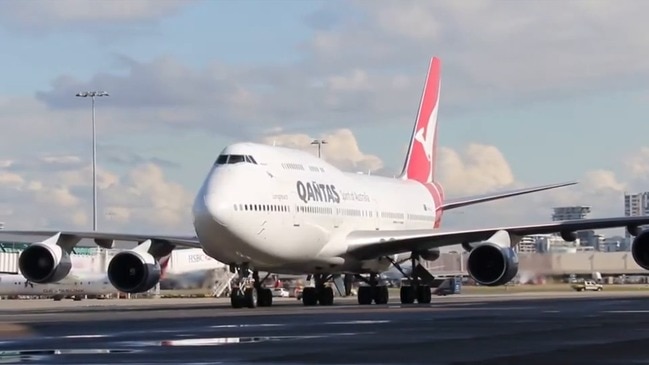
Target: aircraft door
<point x="376" y="214"/>
<point x="296" y="214"/>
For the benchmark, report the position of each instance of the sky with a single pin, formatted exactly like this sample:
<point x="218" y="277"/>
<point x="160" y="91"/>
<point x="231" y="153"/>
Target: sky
<point x="529" y="96"/>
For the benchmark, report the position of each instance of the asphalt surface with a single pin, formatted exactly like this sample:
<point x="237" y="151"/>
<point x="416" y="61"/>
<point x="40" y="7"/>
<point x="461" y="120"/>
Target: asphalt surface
<point x="544" y="328"/>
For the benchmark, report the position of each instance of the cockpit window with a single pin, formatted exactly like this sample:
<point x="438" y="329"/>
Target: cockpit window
<point x="236" y="159"/>
<point x="222" y="159"/>
<point x="232" y="159"/>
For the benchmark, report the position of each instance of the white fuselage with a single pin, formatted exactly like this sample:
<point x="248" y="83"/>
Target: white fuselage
<point x="268" y="212"/>
<point x="74" y="284"/>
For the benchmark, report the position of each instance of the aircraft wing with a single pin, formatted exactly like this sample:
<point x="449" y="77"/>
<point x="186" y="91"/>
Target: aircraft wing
<point x="69" y="239"/>
<point x="470" y="200"/>
<point x="372" y="244"/>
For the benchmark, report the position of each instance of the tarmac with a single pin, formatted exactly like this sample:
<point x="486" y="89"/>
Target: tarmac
<point x="539" y="328"/>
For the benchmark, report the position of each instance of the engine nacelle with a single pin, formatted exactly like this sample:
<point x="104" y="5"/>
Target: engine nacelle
<point x="569" y="236"/>
<point x="640" y="250"/>
<point x="490" y="264"/>
<point x="430" y="254"/>
<point x="133" y="272"/>
<point x="44" y="263"/>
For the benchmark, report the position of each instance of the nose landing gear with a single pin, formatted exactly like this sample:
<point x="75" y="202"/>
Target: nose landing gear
<point x="248" y="291"/>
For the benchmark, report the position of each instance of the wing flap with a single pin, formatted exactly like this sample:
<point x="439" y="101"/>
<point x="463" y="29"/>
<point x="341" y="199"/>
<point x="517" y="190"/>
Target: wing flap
<point x="366" y="245"/>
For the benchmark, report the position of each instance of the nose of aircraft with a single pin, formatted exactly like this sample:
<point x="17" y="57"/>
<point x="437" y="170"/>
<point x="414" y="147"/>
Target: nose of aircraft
<point x="211" y="202"/>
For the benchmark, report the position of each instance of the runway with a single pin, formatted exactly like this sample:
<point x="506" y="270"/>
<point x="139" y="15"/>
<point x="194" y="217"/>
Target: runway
<point x="543" y="328"/>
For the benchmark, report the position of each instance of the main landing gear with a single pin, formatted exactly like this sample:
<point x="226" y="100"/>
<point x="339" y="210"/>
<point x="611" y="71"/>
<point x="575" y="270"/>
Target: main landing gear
<point x="320" y="294"/>
<point x="248" y="291"/>
<point x="415" y="289"/>
<point x="324" y="295"/>
<point x="373" y="292"/>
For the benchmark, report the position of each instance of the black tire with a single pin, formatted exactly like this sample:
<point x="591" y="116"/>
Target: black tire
<point x="381" y="295"/>
<point x="365" y="295"/>
<point x="407" y="294"/>
<point x="250" y="297"/>
<point x="326" y="296"/>
<point x="309" y="296"/>
<point x="236" y="299"/>
<point x="424" y="296"/>
<point x="265" y="298"/>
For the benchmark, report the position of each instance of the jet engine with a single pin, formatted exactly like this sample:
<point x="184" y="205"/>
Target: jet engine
<point x="134" y="272"/>
<point x="493" y="262"/>
<point x="640" y="249"/>
<point x="44" y="263"/>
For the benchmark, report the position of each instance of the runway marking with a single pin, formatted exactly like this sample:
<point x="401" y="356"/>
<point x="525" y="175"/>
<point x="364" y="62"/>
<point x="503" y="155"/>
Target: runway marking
<point x="86" y="336"/>
<point x="249" y="325"/>
<point x="360" y="322"/>
<point x="218" y="341"/>
<point x="551" y="311"/>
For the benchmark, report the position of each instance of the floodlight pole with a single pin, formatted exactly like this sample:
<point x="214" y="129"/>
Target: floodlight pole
<point x="93" y="95"/>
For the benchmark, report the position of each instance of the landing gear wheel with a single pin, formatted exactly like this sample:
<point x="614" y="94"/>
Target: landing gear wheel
<point x="326" y="296"/>
<point x="381" y="295"/>
<point x="407" y="294"/>
<point x="309" y="296"/>
<point x="365" y="295"/>
<point x="265" y="297"/>
<point x="250" y="297"/>
<point x="424" y="296"/>
<point x="236" y="298"/>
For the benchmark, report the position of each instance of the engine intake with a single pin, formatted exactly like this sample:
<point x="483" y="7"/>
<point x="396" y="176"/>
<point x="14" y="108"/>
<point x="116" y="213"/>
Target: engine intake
<point x="491" y="265"/>
<point x="133" y="272"/>
<point x="640" y="250"/>
<point x="44" y="263"/>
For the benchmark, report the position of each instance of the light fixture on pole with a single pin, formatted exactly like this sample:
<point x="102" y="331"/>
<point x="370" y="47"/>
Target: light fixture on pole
<point x="319" y="142"/>
<point x="93" y="95"/>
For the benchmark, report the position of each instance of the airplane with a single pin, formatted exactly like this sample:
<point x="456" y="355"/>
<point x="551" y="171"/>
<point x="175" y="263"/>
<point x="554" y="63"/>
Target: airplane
<point x="274" y="209"/>
<point x="77" y="283"/>
<point x="74" y="284"/>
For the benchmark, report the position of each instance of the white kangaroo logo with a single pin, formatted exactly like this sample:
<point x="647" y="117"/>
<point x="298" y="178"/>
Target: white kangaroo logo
<point x="426" y="138"/>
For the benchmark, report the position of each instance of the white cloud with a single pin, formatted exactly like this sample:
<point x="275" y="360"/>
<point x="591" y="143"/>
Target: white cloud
<point x="495" y="49"/>
<point x="50" y="15"/>
<point x="491" y="51"/>
<point x="479" y="169"/>
<point x="142" y="199"/>
<point x="341" y="149"/>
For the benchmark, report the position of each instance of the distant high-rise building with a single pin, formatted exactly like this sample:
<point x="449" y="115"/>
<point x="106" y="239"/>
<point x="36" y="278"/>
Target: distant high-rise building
<point x="570" y="213"/>
<point x="635" y="205"/>
<point x="586" y="238"/>
<point x="526" y="245"/>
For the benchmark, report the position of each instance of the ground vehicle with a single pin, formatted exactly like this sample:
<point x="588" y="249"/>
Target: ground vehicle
<point x="587" y="285"/>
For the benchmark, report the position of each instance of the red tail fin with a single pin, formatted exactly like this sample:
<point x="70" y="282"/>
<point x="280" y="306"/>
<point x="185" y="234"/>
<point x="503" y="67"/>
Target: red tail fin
<point x="422" y="152"/>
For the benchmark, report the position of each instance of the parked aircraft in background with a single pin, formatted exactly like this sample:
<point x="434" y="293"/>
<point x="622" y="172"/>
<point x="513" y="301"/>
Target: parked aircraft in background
<point x="77" y="284"/>
<point x="74" y="285"/>
<point x="281" y="210"/>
